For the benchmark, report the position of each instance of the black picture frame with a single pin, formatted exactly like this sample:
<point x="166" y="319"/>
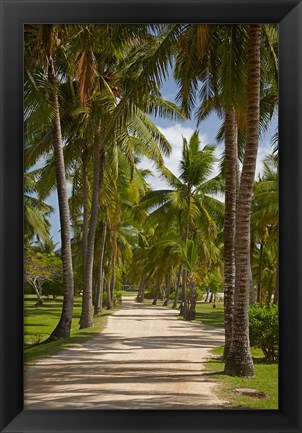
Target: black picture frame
<point x="288" y="13"/>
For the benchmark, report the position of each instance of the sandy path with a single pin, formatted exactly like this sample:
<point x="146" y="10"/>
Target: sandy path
<point x="144" y="359"/>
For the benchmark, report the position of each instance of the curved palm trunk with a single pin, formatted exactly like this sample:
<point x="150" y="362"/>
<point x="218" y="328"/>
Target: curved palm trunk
<point x="62" y="329"/>
<point x="86" y="320"/>
<point x="177" y="288"/>
<point x="99" y="294"/>
<point x="229" y="224"/>
<point x="239" y="361"/>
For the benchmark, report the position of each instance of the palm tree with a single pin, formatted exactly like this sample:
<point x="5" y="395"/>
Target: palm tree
<point x="217" y="67"/>
<point x="210" y="57"/>
<point x="47" y="42"/>
<point x="239" y="361"/>
<point x="264" y="222"/>
<point x="36" y="211"/>
<point x="102" y="80"/>
<point x="188" y="203"/>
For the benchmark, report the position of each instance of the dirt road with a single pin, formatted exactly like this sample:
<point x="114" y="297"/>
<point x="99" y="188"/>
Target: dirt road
<point x="144" y="359"/>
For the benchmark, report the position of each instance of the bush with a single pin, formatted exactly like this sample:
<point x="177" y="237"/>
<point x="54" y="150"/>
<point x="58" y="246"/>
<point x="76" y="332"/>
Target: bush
<point x="117" y="298"/>
<point x="172" y="295"/>
<point x="264" y="330"/>
<point x="150" y="293"/>
<point x="53" y="288"/>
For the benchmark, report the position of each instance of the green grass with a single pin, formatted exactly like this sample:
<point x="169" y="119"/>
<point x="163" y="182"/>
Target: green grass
<point x="129" y="293"/>
<point x="207" y="315"/>
<point x="40" y="322"/>
<point x="265" y="380"/>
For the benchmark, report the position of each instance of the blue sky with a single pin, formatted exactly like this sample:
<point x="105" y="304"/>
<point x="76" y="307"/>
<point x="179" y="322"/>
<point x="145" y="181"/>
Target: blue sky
<point x="174" y="130"/>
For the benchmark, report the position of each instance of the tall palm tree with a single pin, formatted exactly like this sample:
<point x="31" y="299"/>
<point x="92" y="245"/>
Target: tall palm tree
<point x="47" y="42"/>
<point x="216" y="66"/>
<point x="239" y="361"/>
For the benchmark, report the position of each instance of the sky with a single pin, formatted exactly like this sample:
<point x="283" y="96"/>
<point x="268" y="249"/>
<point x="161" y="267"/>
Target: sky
<point x="174" y="131"/>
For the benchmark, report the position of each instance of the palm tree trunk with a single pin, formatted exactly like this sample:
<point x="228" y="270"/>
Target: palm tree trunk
<point x="239" y="361"/>
<point x="113" y="279"/>
<point x="108" y="290"/>
<point x="99" y="294"/>
<point x="86" y="320"/>
<point x="85" y="209"/>
<point x="183" y="306"/>
<point x="156" y="295"/>
<point x="177" y="287"/>
<point x="276" y="294"/>
<point x="207" y="295"/>
<point x="259" y="286"/>
<point x="252" y="296"/>
<point x="168" y="285"/>
<point x="229" y="224"/>
<point x="191" y="313"/>
<point x="140" y="294"/>
<point x="62" y="329"/>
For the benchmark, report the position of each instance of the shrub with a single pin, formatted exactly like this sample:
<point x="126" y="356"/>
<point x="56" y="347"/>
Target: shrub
<point x="117" y="297"/>
<point x="150" y="293"/>
<point x="264" y="330"/>
<point x="200" y="293"/>
<point x="53" y="288"/>
<point x="172" y="295"/>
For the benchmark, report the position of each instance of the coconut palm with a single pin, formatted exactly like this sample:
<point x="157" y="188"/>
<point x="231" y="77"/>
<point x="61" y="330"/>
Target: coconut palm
<point x="217" y="62"/>
<point x="239" y="361"/>
<point x="43" y="43"/>
<point x="216" y="66"/>
<point x="188" y="203"/>
<point x="264" y="228"/>
<point x="36" y="211"/>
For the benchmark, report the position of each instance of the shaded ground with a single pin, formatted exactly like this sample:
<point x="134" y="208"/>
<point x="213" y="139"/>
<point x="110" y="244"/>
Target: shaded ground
<point x="144" y="359"/>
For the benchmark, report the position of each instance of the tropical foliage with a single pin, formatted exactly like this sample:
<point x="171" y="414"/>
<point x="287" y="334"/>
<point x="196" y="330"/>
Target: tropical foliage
<point x="91" y="93"/>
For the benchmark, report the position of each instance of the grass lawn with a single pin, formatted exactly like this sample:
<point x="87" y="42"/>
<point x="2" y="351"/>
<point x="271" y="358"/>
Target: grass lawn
<point x="40" y="322"/>
<point x="265" y="380"/>
<point x="207" y="315"/>
<point x="129" y="293"/>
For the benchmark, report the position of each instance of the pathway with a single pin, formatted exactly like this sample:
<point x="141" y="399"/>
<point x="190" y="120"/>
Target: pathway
<point x="144" y="359"/>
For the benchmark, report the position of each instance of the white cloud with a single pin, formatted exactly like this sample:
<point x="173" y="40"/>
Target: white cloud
<point x="174" y="135"/>
<point x="264" y="150"/>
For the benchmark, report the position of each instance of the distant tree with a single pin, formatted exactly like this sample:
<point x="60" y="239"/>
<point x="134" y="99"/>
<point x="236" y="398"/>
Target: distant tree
<point x="41" y="268"/>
